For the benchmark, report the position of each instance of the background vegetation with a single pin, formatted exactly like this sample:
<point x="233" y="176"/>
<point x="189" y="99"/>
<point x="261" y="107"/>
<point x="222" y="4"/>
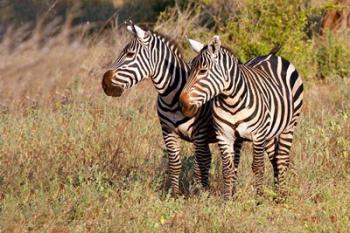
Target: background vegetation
<point x="75" y="160"/>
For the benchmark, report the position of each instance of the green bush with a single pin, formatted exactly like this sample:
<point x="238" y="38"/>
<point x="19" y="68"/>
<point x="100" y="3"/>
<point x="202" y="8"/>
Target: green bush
<point x="252" y="28"/>
<point x="333" y="56"/>
<point x="258" y="26"/>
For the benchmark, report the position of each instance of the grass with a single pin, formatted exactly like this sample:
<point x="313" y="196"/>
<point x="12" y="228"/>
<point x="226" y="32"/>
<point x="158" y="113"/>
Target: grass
<point x="75" y="160"/>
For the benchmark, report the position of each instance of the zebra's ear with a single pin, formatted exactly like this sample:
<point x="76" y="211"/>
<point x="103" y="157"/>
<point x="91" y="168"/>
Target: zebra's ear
<point x="140" y="33"/>
<point x="214" y="45"/>
<point x="130" y="26"/>
<point x="196" y="45"/>
<point x="134" y="29"/>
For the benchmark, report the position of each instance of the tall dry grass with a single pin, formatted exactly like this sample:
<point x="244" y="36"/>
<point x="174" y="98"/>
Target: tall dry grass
<point x="42" y="66"/>
<point x="75" y="160"/>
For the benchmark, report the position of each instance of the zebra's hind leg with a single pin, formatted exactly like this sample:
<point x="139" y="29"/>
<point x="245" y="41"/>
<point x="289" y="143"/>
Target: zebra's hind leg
<point x="271" y="150"/>
<point x="282" y="160"/>
<point x="258" y="166"/>
<point x="202" y="163"/>
<point x="172" y="144"/>
<point x="237" y="146"/>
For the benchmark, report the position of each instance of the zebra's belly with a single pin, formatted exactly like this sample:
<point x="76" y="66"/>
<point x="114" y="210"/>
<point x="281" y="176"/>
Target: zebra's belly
<point x="244" y="131"/>
<point x="192" y="131"/>
<point x="185" y="131"/>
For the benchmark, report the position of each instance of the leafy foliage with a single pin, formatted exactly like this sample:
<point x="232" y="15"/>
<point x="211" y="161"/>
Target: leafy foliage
<point x="252" y="28"/>
<point x="333" y="56"/>
<point x="260" y="25"/>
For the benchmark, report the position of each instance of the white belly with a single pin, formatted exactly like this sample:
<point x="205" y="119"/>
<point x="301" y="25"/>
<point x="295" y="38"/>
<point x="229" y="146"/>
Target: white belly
<point x="244" y="132"/>
<point x="185" y="129"/>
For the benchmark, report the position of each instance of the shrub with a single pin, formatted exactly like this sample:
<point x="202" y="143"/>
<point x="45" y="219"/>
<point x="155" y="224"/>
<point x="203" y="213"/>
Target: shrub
<point x="333" y="56"/>
<point x="258" y="26"/>
<point x="252" y="28"/>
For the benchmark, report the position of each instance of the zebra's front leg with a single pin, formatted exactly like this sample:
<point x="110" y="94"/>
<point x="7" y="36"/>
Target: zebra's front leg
<point x="202" y="163"/>
<point x="228" y="173"/>
<point x="258" y="166"/>
<point x="172" y="143"/>
<point x="237" y="146"/>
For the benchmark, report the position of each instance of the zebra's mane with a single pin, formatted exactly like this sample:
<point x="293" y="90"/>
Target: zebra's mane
<point x="170" y="42"/>
<point x="226" y="50"/>
<point x="229" y="51"/>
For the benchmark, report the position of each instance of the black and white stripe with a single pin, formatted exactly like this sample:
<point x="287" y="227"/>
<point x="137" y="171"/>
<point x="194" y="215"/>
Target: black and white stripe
<point x="151" y="55"/>
<point x="259" y="101"/>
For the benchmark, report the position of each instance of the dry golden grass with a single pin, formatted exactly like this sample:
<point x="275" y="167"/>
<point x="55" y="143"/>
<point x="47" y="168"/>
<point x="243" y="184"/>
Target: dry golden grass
<point x="74" y="160"/>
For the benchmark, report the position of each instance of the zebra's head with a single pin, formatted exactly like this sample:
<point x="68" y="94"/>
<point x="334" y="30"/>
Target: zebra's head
<point x="131" y="66"/>
<point x="208" y="77"/>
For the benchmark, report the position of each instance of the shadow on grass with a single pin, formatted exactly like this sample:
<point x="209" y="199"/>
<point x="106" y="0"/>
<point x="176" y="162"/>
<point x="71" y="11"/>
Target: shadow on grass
<point x="187" y="180"/>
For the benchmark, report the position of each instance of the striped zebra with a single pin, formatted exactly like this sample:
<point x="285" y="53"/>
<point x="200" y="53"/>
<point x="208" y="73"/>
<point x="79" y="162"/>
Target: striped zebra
<point x="152" y="55"/>
<point x="259" y="101"/>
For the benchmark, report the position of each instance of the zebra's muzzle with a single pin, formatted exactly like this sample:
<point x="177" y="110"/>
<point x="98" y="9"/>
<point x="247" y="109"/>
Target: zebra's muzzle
<point x="187" y="108"/>
<point x="108" y="87"/>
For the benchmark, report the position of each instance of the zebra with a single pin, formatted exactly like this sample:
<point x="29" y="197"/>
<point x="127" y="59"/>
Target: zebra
<point x="152" y="55"/>
<point x="259" y="101"/>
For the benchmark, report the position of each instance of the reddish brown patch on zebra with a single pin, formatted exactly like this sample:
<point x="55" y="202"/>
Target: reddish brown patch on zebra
<point x="187" y="108"/>
<point x="109" y="88"/>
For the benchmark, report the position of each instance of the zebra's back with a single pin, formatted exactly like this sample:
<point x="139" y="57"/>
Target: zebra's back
<point x="287" y="79"/>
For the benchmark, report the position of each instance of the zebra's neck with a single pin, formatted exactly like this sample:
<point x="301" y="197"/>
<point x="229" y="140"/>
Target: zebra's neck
<point x="238" y="95"/>
<point x="170" y="71"/>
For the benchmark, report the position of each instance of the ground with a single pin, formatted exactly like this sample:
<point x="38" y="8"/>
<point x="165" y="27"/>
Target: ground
<point x="75" y="160"/>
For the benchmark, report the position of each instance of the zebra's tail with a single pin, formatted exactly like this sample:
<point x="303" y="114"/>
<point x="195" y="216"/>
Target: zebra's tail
<point x="275" y="49"/>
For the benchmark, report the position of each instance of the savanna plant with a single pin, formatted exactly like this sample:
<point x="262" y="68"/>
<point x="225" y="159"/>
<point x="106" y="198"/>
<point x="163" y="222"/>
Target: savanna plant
<point x="251" y="28"/>
<point x="333" y="56"/>
<point x="259" y="25"/>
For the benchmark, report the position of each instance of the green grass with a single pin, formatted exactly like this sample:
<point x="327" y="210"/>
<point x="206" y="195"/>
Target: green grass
<point x="98" y="164"/>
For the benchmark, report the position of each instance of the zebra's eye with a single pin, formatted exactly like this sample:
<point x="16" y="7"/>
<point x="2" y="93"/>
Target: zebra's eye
<point x="129" y="54"/>
<point x="202" y="72"/>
